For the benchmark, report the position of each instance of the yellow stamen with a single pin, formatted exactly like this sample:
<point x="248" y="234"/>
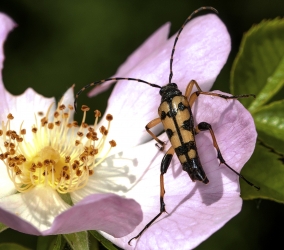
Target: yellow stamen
<point x="55" y="152"/>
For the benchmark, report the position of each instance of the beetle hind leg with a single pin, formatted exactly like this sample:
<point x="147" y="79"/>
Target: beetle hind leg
<point x="203" y="126"/>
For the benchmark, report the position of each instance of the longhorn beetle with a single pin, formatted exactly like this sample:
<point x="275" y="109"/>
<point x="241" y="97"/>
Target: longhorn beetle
<point x="176" y="116"/>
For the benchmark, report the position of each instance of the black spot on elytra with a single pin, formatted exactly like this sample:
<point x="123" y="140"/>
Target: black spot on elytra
<point x="187" y="125"/>
<point x="185" y="147"/>
<point x="172" y="113"/>
<point x="169" y="133"/>
<point x="163" y="115"/>
<point x="181" y="106"/>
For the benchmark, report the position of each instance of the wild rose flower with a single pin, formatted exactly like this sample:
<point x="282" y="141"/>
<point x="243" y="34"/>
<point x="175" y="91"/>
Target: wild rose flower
<point x="195" y="211"/>
<point x="48" y="166"/>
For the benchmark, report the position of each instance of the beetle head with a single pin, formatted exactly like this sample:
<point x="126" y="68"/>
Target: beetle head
<point x="169" y="91"/>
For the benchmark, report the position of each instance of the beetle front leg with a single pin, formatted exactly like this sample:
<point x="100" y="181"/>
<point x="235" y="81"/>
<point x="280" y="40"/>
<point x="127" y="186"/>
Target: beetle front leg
<point x="152" y="124"/>
<point x="164" y="167"/>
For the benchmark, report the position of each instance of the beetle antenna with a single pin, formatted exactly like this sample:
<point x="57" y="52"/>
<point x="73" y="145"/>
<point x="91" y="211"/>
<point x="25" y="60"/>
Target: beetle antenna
<point x="97" y="83"/>
<point x="180" y="30"/>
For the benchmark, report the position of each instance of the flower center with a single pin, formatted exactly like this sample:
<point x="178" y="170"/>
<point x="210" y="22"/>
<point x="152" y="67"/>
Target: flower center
<point x="57" y="152"/>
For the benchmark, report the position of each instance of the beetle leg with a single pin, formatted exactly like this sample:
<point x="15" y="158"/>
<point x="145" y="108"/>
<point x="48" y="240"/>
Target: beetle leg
<point x="152" y="124"/>
<point x="203" y="126"/>
<point x="189" y="88"/>
<point x="164" y="167"/>
<point x="194" y="95"/>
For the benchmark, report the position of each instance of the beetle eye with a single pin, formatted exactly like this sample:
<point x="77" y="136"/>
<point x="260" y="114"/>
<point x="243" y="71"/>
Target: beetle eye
<point x="162" y="91"/>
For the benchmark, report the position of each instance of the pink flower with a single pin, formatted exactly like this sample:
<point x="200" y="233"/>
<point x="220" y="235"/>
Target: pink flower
<point x="195" y="211"/>
<point x="46" y="157"/>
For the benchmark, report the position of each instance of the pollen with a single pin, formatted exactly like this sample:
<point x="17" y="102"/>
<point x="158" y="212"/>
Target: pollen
<point x="55" y="151"/>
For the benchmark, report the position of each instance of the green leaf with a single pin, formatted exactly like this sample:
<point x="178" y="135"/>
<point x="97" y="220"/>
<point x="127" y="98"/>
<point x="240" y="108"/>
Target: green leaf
<point x="259" y="66"/>
<point x="265" y="169"/>
<point x="51" y="242"/>
<point x="269" y="121"/>
<point x="12" y="246"/>
<point x="56" y="244"/>
<point x="106" y="243"/>
<point x="3" y="227"/>
<point x="259" y="69"/>
<point x="78" y="240"/>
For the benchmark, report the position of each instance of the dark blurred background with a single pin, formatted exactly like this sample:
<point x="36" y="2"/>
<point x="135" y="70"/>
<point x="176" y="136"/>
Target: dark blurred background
<point x="58" y="43"/>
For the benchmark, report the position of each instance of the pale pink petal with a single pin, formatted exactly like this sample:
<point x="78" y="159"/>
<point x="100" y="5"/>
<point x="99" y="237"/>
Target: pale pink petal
<point x="68" y="100"/>
<point x="201" y="52"/>
<point x="68" y="97"/>
<point x="195" y="210"/>
<point x="14" y="222"/>
<point x="39" y="207"/>
<point x="155" y="41"/>
<point x="6" y="25"/>
<point x="6" y="185"/>
<point x="107" y="212"/>
<point x="42" y="212"/>
<point x="25" y="107"/>
<point x="233" y="126"/>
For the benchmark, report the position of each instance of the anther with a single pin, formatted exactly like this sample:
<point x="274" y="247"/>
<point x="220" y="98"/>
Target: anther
<point x="74" y="166"/>
<point x="50" y="125"/>
<point x="75" y="124"/>
<point x="10" y="116"/>
<point x="102" y="129"/>
<point x="85" y="108"/>
<point x="90" y="129"/>
<point x="65" y="168"/>
<point x="70" y="107"/>
<point x="39" y="165"/>
<point x="80" y="134"/>
<point x="67" y="159"/>
<point x="97" y="113"/>
<point x="109" y="117"/>
<point x="46" y="162"/>
<point x="12" y="151"/>
<point x="32" y="170"/>
<point x="112" y="143"/>
<point x="43" y="121"/>
<point x="78" y="172"/>
<point x="61" y="107"/>
<point x="84" y="125"/>
<point x="56" y="114"/>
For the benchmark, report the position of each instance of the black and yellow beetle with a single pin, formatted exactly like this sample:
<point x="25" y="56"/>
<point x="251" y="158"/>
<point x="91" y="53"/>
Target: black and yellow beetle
<point x="178" y="122"/>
